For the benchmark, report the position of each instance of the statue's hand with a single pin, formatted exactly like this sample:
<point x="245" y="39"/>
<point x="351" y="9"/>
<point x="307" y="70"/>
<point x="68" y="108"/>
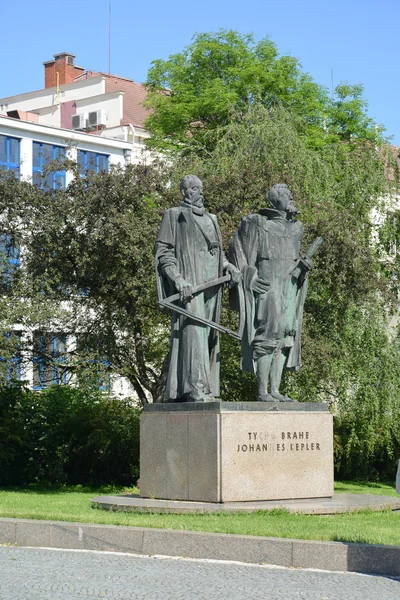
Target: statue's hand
<point x="260" y="285"/>
<point x="185" y="290"/>
<point x="308" y="262"/>
<point x="235" y="274"/>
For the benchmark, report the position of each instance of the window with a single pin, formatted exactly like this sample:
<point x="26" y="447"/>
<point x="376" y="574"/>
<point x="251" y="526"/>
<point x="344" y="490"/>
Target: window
<point x="92" y="161"/>
<point x="12" y="367"/>
<point x="9" y="154"/>
<point x="104" y="377"/>
<point x="10" y="257"/>
<point x="49" y="359"/>
<point x="389" y="232"/>
<point x="44" y="155"/>
<point x="90" y="348"/>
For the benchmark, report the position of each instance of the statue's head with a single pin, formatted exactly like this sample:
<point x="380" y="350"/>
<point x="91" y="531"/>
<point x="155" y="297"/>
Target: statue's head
<point x="281" y="198"/>
<point x="192" y="189"/>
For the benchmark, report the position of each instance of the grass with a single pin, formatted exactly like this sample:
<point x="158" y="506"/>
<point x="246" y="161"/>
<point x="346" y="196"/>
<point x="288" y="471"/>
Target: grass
<point x="72" y="504"/>
<point x="376" y="489"/>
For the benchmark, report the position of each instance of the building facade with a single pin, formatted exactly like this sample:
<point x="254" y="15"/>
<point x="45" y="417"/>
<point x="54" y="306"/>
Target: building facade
<point x="84" y="101"/>
<point x="96" y="119"/>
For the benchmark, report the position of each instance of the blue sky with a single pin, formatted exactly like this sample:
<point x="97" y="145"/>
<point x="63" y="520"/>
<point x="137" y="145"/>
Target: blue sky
<point x="357" y="39"/>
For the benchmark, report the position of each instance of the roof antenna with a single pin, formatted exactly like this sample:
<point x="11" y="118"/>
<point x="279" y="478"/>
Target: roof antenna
<point x="109" y="38"/>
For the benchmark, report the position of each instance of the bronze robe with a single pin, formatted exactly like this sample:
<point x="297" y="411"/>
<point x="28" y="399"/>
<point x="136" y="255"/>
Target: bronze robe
<point x="182" y="249"/>
<point x="267" y="245"/>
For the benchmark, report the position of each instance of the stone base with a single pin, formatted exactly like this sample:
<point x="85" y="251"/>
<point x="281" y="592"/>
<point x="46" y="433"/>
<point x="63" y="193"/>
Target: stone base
<point x="338" y="504"/>
<point x="236" y="452"/>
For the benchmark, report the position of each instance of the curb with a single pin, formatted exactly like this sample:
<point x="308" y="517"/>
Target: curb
<point x="326" y="556"/>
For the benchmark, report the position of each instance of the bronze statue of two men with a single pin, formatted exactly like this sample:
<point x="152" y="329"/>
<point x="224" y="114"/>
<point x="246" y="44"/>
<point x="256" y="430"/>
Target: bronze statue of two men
<point x="268" y="285"/>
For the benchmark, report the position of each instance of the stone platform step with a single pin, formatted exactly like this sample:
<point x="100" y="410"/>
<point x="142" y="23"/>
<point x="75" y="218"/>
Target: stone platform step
<point x="339" y="503"/>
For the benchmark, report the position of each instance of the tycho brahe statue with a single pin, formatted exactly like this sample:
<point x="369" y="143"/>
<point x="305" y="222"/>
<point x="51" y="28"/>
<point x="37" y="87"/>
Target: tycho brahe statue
<point x="189" y="254"/>
<point x="266" y="249"/>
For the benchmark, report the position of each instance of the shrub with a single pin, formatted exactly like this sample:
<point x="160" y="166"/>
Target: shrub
<point x="67" y="435"/>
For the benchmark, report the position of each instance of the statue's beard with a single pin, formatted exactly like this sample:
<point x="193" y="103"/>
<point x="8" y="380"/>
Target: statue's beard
<point x="291" y="210"/>
<point x="197" y="205"/>
<point x="199" y="202"/>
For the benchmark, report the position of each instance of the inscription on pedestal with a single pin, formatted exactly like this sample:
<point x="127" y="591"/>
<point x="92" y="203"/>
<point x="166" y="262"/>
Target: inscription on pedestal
<point x="263" y="441"/>
<point x="276" y="455"/>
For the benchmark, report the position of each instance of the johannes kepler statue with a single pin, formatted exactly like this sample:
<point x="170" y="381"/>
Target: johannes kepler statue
<point x="190" y="266"/>
<point x="266" y="249"/>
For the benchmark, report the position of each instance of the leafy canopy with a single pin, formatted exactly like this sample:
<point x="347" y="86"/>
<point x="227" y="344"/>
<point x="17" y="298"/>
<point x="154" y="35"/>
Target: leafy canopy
<point x="348" y="351"/>
<point x="242" y="118"/>
<point x="192" y="94"/>
<point x="88" y="269"/>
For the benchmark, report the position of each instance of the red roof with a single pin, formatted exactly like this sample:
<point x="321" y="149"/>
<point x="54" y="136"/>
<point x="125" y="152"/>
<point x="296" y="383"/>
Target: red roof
<point x="134" y="94"/>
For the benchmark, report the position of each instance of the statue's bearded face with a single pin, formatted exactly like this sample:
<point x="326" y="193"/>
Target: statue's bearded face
<point x="283" y="199"/>
<point x="194" y="193"/>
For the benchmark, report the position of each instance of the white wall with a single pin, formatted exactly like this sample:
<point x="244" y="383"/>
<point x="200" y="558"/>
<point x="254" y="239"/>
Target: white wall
<point x="30" y="132"/>
<point x="116" y="151"/>
<point x="89" y="95"/>
<point x="378" y="216"/>
<point x="112" y="103"/>
<point x="31" y="101"/>
<point x="49" y="115"/>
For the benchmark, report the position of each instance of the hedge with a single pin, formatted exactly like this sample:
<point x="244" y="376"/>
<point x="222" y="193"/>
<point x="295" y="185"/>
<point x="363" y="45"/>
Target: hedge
<point x="66" y="435"/>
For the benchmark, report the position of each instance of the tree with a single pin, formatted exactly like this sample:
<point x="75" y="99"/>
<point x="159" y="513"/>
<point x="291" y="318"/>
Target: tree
<point x="242" y="119"/>
<point x="348" y="350"/>
<point x="23" y="305"/>
<point x="88" y="270"/>
<point x="193" y="93"/>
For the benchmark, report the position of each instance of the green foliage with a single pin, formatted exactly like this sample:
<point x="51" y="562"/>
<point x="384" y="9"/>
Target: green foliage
<point x="92" y="245"/>
<point x="65" y="435"/>
<point x="22" y="299"/>
<point x="367" y="430"/>
<point x="347" y="116"/>
<point x="243" y="118"/>
<point x="193" y="93"/>
<point x="88" y="268"/>
<point x="348" y="356"/>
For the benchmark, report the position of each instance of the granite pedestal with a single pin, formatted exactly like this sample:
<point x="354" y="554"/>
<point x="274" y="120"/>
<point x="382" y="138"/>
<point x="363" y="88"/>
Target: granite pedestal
<point x="236" y="452"/>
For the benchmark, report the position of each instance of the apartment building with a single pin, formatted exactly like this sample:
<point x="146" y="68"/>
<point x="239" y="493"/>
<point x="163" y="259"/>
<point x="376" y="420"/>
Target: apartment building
<point x="98" y="115"/>
<point x="99" y="104"/>
<point x="96" y="119"/>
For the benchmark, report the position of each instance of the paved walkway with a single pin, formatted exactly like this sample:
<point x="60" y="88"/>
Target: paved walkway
<point x="44" y="574"/>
